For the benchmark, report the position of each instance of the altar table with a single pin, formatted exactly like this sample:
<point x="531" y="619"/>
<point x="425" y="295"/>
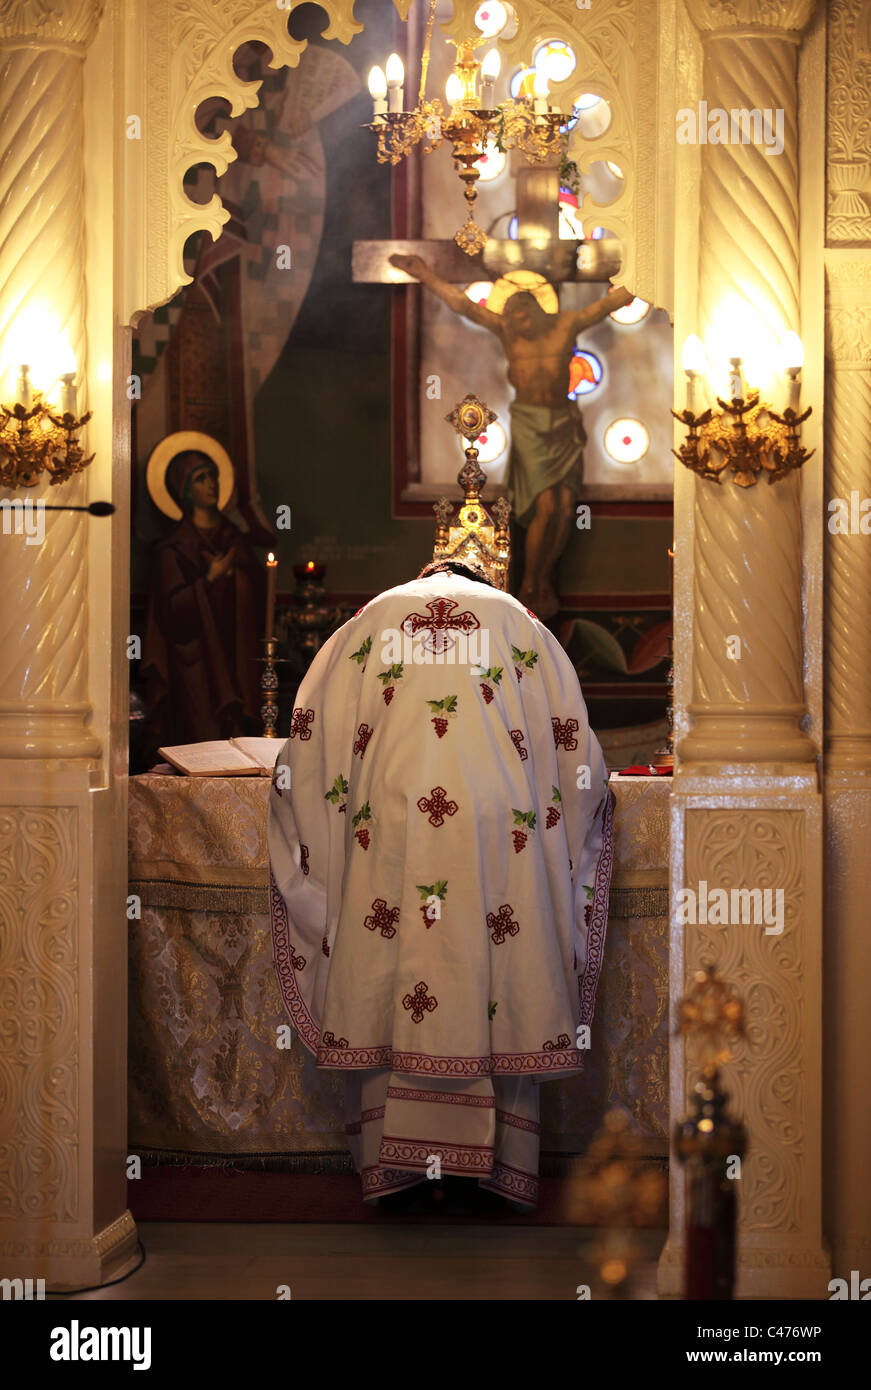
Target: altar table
<point x="207" y="1081"/>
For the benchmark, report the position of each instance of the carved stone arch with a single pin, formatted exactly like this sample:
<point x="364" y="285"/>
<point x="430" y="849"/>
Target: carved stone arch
<point x="202" y="68"/>
<point x="186" y="50"/>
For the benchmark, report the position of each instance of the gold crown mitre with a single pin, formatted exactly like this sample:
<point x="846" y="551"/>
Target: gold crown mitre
<point x="475" y="538"/>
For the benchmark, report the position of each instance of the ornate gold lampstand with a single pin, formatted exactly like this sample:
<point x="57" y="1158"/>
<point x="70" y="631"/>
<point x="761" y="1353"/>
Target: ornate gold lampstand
<point x="708" y="1140"/>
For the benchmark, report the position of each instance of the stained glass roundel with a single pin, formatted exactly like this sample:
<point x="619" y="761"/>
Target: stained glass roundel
<point x="627" y="440"/>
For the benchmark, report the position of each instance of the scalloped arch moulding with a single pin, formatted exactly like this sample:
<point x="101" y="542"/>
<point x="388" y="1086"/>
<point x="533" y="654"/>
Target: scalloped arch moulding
<point x="185" y="55"/>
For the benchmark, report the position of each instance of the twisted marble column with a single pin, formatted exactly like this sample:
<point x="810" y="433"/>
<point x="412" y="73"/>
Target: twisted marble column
<point x="44" y="707"/>
<point x="747" y="697"/>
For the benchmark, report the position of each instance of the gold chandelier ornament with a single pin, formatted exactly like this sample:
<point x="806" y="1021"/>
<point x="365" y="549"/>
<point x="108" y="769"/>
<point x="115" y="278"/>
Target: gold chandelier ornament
<point x="476" y="537"/>
<point x="471" y="122"/>
<point x="36" y="439"/>
<point x="745" y="437"/>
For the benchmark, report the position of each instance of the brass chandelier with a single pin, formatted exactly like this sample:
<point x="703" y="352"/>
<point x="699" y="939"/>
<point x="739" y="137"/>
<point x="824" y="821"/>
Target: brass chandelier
<point x="470" y="122"/>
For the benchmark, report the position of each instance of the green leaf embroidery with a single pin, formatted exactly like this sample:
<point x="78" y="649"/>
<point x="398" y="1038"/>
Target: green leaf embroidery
<point x="556" y="794"/>
<point x="491" y="1009"/>
<point x="526" y="818"/>
<point x="589" y="892"/>
<point x="527" y="659"/>
<point x="362" y="652"/>
<point x="393" y="673"/>
<point x="339" y="788"/>
<point x="446" y="706"/>
<point x="433" y="890"/>
<point x="363" y="814"/>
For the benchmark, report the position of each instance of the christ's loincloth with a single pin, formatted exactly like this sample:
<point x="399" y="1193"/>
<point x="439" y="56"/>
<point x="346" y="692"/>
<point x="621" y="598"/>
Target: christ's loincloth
<point x="546" y="449"/>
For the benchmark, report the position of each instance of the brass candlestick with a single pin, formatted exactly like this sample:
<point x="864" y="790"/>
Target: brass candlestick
<point x="269" y="690"/>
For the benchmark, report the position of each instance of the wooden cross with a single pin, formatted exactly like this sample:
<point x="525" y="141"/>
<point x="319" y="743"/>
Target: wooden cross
<point x="538" y="246"/>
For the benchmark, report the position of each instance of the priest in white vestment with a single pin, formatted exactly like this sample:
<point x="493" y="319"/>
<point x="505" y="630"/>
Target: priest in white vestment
<point x="440" y="870"/>
<point x="440" y="850"/>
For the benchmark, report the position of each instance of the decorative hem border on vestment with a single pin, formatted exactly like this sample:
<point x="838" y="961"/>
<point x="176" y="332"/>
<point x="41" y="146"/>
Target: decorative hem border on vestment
<point x="440" y="1097"/>
<point x="514" y="1183"/>
<point x="459" y="1159"/>
<point x="588" y="982"/>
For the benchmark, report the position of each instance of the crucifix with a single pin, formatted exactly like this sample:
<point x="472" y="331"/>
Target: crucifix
<point x="547" y="436"/>
<point x="538" y="246"/>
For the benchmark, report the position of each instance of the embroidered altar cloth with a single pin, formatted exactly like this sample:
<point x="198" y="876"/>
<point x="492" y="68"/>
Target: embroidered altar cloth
<point x="440" y="847"/>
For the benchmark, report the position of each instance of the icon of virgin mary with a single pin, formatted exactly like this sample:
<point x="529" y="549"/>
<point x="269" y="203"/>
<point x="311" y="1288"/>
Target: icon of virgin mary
<point x="207" y="600"/>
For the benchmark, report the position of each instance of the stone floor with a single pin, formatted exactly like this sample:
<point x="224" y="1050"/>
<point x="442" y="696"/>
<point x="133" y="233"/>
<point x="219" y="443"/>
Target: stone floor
<point x="345" y="1262"/>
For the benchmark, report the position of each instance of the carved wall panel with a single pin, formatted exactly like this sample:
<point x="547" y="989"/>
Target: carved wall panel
<point x="39" y="1050"/>
<point x="849" y="123"/>
<point x="766" y="1080"/>
<point x="848" y="471"/>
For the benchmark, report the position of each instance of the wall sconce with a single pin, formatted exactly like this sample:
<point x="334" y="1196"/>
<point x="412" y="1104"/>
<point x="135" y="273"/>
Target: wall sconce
<point x="39" y="433"/>
<point x="745" y="435"/>
<point x="35" y="438"/>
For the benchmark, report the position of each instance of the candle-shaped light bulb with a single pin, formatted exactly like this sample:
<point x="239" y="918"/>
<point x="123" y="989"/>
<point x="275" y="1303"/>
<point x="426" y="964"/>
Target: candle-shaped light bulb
<point x="68" y="393"/>
<point x="736" y="379"/>
<point x="454" y="89"/>
<point x="792" y="353"/>
<point x="24" y="390"/>
<point x="694" y="365"/>
<point x="378" y="90"/>
<point x="489" y="72"/>
<point x="395" y="73"/>
<point x="540" y="90"/>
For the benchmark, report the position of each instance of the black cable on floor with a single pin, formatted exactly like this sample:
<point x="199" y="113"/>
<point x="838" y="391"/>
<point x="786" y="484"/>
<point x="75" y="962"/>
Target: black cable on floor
<point x="94" y="1288"/>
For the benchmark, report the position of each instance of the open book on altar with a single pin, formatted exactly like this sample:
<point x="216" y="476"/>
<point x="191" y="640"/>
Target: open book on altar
<point x="233" y="757"/>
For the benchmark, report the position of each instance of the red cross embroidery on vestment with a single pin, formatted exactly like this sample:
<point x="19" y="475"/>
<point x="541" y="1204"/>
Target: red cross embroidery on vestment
<point x="565" y="733"/>
<point x="300" y="721"/>
<point x="562" y="1041"/>
<point x="364" y="733"/>
<point x="303" y="858"/>
<point x="419" y="1001"/>
<point x="437" y="806"/>
<point x="329" y="1041"/>
<point x="517" y="740"/>
<point x="501" y="924"/>
<point x="382" y="917"/>
<point x="439" y="625"/>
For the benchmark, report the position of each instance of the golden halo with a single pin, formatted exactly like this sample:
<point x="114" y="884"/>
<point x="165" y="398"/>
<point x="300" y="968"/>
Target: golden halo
<point x="520" y="281"/>
<point x="162" y="456"/>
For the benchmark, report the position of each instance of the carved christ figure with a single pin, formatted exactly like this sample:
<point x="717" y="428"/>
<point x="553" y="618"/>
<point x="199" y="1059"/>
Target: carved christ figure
<point x="547" y="433"/>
